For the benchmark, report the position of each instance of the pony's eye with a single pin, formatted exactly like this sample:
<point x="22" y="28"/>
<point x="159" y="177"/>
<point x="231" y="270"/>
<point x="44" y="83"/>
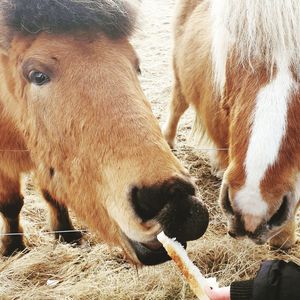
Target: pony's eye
<point x="38" y="78"/>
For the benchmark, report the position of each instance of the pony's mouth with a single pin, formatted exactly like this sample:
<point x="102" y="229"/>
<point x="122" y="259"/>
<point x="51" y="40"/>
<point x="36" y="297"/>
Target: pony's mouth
<point x="151" y="253"/>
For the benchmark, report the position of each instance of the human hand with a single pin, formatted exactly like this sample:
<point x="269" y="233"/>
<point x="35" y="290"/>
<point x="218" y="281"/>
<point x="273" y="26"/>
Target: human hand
<point x="218" y="294"/>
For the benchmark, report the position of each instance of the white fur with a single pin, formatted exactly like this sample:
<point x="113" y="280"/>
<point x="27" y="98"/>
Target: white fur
<point x="220" y="42"/>
<point x="255" y="30"/>
<point x="268" y="130"/>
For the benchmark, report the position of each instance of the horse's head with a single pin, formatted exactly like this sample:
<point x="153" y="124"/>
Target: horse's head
<point x="261" y="185"/>
<point x="69" y="79"/>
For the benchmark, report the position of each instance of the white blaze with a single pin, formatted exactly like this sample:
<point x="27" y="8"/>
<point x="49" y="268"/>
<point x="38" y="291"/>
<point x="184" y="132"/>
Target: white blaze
<point x="268" y="130"/>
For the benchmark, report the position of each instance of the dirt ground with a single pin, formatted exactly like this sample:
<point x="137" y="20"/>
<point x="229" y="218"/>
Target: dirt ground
<point x="94" y="271"/>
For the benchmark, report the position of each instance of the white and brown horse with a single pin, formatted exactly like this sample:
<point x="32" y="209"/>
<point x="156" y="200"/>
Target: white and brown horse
<point x="238" y="64"/>
<point x="72" y="110"/>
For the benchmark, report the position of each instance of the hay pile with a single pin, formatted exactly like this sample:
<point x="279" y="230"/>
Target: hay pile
<point x="93" y="271"/>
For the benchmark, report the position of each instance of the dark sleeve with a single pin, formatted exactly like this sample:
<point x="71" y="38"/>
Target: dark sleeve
<point x="276" y="280"/>
<point x="241" y="290"/>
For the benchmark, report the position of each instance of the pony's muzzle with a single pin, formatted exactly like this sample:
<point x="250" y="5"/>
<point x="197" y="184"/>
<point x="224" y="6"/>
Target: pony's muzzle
<point x="175" y="207"/>
<point x="235" y="220"/>
<point x="259" y="230"/>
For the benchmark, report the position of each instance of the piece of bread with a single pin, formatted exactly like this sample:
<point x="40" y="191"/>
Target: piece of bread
<point x="188" y="269"/>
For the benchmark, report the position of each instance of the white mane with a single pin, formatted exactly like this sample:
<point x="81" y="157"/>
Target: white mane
<point x="267" y="31"/>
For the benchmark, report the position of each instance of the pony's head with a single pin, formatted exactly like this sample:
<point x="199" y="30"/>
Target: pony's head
<point x="257" y="73"/>
<point x="69" y="80"/>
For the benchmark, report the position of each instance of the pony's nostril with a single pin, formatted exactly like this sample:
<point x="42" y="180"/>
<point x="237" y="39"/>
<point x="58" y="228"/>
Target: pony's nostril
<point x="281" y="215"/>
<point x="146" y="202"/>
<point x="149" y="201"/>
<point x="232" y="234"/>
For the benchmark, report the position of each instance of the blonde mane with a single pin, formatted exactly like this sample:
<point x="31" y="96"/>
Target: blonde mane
<point x="265" y="31"/>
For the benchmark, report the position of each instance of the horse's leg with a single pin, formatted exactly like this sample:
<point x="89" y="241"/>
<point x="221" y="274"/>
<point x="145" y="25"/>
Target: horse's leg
<point x="286" y="238"/>
<point x="60" y="221"/>
<point x="177" y="108"/>
<point x="11" y="203"/>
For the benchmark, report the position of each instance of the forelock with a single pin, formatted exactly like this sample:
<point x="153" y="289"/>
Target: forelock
<point x="115" y="18"/>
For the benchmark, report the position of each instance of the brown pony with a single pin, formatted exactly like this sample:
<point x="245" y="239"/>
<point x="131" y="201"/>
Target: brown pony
<point x="72" y="110"/>
<point x="237" y="63"/>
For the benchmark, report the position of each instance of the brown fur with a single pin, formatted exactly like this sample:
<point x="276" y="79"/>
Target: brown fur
<point x="226" y="119"/>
